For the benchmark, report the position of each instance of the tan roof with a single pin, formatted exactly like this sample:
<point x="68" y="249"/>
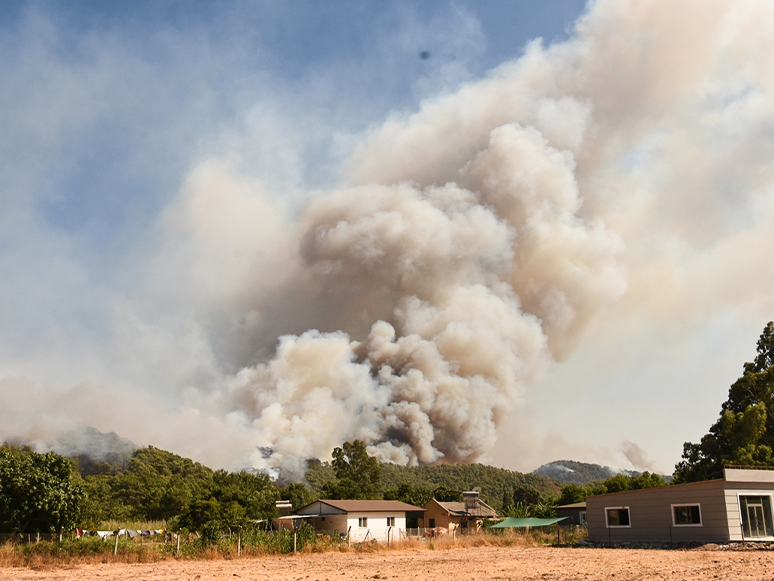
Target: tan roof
<point x="458" y="509"/>
<point x="371" y="505"/>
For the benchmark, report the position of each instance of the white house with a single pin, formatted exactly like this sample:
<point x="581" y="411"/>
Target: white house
<point x="362" y="520"/>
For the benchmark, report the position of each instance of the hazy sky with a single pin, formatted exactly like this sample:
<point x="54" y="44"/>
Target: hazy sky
<point x="182" y="183"/>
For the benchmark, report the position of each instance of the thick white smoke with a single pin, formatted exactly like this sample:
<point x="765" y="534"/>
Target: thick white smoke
<point x="471" y="242"/>
<point x="451" y="298"/>
<point x="488" y="229"/>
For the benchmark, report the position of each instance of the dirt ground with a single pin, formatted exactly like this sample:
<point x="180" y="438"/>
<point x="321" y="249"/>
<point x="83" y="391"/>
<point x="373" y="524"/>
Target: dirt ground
<point x="476" y="563"/>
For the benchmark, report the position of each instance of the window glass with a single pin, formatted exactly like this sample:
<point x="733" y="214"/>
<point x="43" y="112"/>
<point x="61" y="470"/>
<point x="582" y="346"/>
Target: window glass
<point x="432" y="523"/>
<point x="687" y="515"/>
<point x="390" y="521"/>
<point x="582" y="517"/>
<point x="362" y="522"/>
<point x="756" y="516"/>
<point x="618" y="517"/>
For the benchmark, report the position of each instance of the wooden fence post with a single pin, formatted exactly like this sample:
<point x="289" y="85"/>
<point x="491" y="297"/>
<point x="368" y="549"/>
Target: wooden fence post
<point x="115" y="545"/>
<point x="178" y="544"/>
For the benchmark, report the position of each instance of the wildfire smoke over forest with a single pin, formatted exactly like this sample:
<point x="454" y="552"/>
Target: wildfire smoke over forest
<point x="469" y="245"/>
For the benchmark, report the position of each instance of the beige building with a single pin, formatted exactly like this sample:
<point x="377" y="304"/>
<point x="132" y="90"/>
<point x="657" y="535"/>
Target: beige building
<point x="468" y="514"/>
<point x="737" y="507"/>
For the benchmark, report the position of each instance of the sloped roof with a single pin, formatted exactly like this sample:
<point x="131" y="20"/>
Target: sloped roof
<point x="458" y="509"/>
<point x="516" y="523"/>
<point x="574" y="505"/>
<point x="368" y="506"/>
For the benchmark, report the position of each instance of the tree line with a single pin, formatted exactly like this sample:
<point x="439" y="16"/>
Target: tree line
<point x="47" y="492"/>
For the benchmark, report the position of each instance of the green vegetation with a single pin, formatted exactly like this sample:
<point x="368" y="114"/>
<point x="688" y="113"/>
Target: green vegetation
<point x="494" y="482"/>
<point x="576" y="472"/>
<point x="178" y="493"/>
<point x="573" y="493"/>
<point x="38" y="492"/>
<point x="744" y="433"/>
<point x="357" y="473"/>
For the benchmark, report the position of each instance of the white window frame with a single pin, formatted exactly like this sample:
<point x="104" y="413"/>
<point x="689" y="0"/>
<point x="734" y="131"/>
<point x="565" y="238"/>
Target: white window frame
<point x="583" y="519"/>
<point x="674" y="521"/>
<point x="609" y="526"/>
<point x="390" y="521"/>
<point x="362" y="522"/>
<point x="739" y="496"/>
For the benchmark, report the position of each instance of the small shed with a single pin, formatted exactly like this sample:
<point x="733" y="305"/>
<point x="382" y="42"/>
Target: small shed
<point x="575" y="513"/>
<point x="362" y="520"/>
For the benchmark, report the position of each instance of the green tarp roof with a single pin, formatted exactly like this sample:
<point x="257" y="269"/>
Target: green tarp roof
<point x="515" y="523"/>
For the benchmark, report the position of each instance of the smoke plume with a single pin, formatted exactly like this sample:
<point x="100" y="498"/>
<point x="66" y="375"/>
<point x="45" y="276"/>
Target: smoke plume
<point x="468" y="245"/>
<point x="447" y="301"/>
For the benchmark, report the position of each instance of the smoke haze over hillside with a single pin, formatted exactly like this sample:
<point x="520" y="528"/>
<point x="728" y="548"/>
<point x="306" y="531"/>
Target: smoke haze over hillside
<point x="464" y="248"/>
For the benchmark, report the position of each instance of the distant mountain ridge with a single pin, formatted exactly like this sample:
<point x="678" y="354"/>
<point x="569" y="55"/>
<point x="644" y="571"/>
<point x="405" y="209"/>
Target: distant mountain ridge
<point x="578" y="472"/>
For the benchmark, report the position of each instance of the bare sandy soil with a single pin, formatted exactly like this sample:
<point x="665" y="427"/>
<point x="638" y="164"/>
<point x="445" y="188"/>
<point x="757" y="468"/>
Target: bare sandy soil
<point x="476" y="563"/>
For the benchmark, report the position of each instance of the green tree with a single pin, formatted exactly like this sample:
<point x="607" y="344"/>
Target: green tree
<point x="446" y="494"/>
<point x="744" y="433"/>
<point x="38" y="491"/>
<point x="343" y="489"/>
<point x="508" y="508"/>
<point x="526" y="494"/>
<point x="573" y="493"/>
<point x="357" y="473"/>
<point x="406" y="493"/>
<point x="646" y="480"/>
<point x="618" y="483"/>
<point x="298" y="495"/>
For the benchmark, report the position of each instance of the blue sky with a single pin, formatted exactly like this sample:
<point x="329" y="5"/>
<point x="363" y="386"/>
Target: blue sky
<point x="159" y="159"/>
<point x="116" y="100"/>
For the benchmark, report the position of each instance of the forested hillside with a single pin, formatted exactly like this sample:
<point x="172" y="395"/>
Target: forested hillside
<point x="494" y="482"/>
<point x="578" y="472"/>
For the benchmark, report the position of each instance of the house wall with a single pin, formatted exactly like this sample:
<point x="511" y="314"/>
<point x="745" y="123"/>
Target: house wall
<point x="572" y="514"/>
<point x="376" y="526"/>
<point x="733" y="515"/>
<point x="650" y="514"/>
<point x="331" y="524"/>
<point x="441" y="516"/>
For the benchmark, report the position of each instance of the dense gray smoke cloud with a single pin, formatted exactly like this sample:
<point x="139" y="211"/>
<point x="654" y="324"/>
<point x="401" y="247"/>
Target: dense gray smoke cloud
<point x="484" y="233"/>
<point x="468" y="289"/>
<point x="468" y="245"/>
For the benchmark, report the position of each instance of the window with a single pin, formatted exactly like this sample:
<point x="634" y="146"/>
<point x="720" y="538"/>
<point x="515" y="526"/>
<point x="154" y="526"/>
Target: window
<point x="432" y="523"/>
<point x="756" y="516"/>
<point x="362" y="522"/>
<point x="390" y="521"/>
<point x="686" y="515"/>
<point x="617" y="516"/>
<point x="582" y="517"/>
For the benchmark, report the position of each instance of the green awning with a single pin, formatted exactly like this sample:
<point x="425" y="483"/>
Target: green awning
<point x="516" y="523"/>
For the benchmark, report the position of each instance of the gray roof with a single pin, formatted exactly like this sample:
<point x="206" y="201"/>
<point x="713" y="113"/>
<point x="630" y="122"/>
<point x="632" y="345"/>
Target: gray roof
<point x="458" y="509"/>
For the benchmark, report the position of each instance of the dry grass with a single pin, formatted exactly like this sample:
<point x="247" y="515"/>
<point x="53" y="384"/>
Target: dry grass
<point x="93" y="550"/>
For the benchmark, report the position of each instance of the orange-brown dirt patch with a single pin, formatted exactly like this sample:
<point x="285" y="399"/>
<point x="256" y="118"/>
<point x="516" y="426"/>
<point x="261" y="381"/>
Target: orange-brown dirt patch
<point x="475" y="563"/>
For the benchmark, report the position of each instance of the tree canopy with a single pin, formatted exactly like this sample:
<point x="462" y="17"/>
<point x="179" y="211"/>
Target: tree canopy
<point x="357" y="474"/>
<point x="572" y="493"/>
<point x="744" y="433"/>
<point x="38" y="491"/>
